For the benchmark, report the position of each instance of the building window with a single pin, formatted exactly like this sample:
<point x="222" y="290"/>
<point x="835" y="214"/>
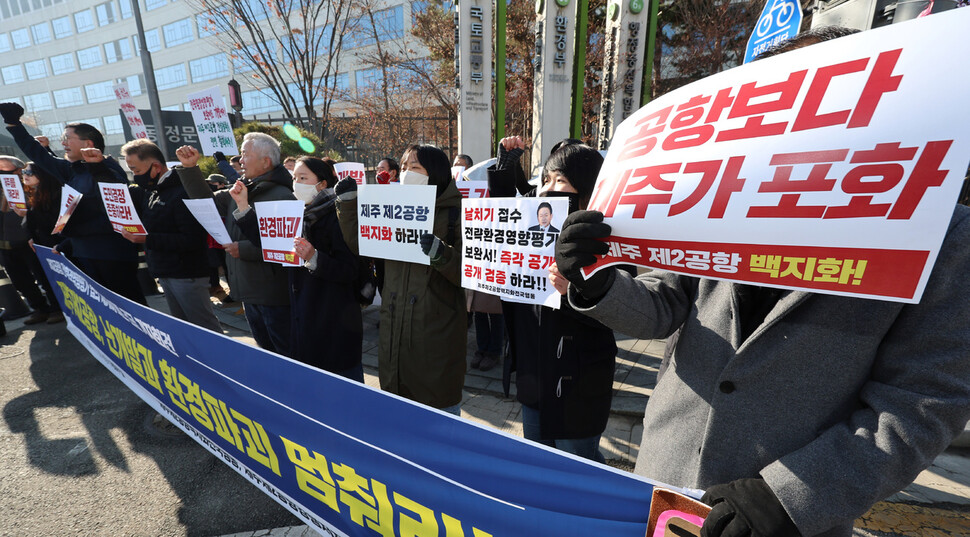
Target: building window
<point x="68" y="97"/>
<point x="206" y="25"/>
<point x="112" y="124"/>
<point x="12" y="74"/>
<point x="51" y="130"/>
<point x="62" y="27"/>
<point x="210" y="67"/>
<point x="170" y="77"/>
<point x="154" y="4"/>
<point x="257" y="102"/>
<point x="178" y="32"/>
<point x="126" y="11"/>
<point x="4" y="42"/>
<point x="84" y="21"/>
<point x="389" y="23"/>
<point x="89" y="57"/>
<point x="117" y="50"/>
<point x="62" y="63"/>
<point x="93" y="121"/>
<point x="20" y="38"/>
<point x="135" y="84"/>
<point x="99" y="92"/>
<point x="38" y="102"/>
<point x="368" y="78"/>
<point x="41" y="32"/>
<point x="36" y="69"/>
<point x="342" y="82"/>
<point x="152" y="39"/>
<point x="105" y="12"/>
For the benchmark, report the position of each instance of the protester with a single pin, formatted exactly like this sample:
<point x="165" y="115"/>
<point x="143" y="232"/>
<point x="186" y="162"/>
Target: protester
<point x="215" y="253"/>
<point x="796" y="411"/>
<point x="289" y="163"/>
<point x="328" y="327"/>
<point x="463" y="160"/>
<point x="231" y="170"/>
<point x="217" y="181"/>
<point x="92" y="243"/>
<point x="19" y="260"/>
<point x="261" y="286"/>
<point x="175" y="246"/>
<point x="423" y="334"/>
<point x="563" y="360"/>
<point x="387" y="171"/>
<point x="43" y="207"/>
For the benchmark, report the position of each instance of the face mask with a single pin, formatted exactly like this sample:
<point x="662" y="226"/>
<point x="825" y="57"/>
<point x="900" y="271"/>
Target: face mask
<point x="145" y="180"/>
<point x="572" y="196"/>
<point x="413" y="178"/>
<point x="304" y="192"/>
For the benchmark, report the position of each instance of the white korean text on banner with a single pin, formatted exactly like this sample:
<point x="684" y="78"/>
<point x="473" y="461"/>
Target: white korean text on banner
<point x="508" y="245"/>
<point x="280" y="222"/>
<point x="205" y="212"/>
<point x="13" y="191"/>
<point x="832" y="168"/>
<point x="391" y="219"/>
<point x="129" y="110"/>
<point x="212" y="122"/>
<point x="120" y="209"/>
<point x="473" y="189"/>
<point x="69" y="201"/>
<point x="350" y="169"/>
<point x="345" y="458"/>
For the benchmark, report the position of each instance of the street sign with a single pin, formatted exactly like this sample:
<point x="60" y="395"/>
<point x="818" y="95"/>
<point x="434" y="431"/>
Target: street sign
<point x="779" y="20"/>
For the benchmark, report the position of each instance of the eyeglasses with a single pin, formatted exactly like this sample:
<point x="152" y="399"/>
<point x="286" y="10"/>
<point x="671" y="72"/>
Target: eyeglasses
<point x="28" y="171"/>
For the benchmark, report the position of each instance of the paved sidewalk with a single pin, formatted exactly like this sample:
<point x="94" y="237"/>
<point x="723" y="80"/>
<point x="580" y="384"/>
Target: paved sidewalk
<point x="937" y="503"/>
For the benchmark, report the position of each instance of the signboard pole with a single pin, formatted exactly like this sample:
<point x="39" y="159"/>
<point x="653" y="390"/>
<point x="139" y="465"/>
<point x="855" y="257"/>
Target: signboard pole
<point x="500" y="24"/>
<point x="146" y="64"/>
<point x="626" y="31"/>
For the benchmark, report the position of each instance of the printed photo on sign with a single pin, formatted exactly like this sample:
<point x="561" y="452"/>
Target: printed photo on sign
<point x="508" y="245"/>
<point x="391" y="220"/>
<point x="69" y="200"/>
<point x="280" y="222"/>
<point x="120" y="209"/>
<point x="799" y="171"/>
<point x="350" y="169"/>
<point x="473" y="189"/>
<point x="14" y="191"/>
<point x="212" y="122"/>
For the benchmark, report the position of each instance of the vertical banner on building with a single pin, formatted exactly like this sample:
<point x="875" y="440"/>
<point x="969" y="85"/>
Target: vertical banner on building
<point x="129" y="110"/>
<point x="473" y="60"/>
<point x="552" y="99"/>
<point x="212" y="122"/>
<point x="627" y="25"/>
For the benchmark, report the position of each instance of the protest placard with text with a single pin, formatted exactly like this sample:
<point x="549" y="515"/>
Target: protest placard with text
<point x="13" y="191"/>
<point x="832" y="168"/>
<point x="392" y="218"/>
<point x="473" y="189"/>
<point x="212" y="122"/>
<point x="129" y="110"/>
<point x="350" y="169"/>
<point x="69" y="200"/>
<point x="280" y="222"/>
<point x="508" y="245"/>
<point x="120" y="209"/>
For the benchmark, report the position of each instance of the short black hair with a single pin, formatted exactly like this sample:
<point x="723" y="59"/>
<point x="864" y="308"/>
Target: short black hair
<point x="235" y="158"/>
<point x="321" y="168"/>
<point x="804" y="39"/>
<point x="468" y="160"/>
<point x="563" y="143"/>
<point x="545" y="205"/>
<point x="436" y="162"/>
<point x="392" y="164"/>
<point x="580" y="164"/>
<point x="90" y="133"/>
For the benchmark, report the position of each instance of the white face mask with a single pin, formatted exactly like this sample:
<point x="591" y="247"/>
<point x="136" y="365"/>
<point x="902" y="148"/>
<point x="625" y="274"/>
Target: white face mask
<point x="304" y="192"/>
<point x="413" y="178"/>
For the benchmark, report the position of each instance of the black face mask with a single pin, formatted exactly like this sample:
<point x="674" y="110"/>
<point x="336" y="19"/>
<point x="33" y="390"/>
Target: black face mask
<point x="146" y="180"/>
<point x="572" y="196"/>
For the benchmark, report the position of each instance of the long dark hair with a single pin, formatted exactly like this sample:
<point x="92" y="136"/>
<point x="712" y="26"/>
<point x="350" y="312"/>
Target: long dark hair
<point x="435" y="161"/>
<point x="44" y="195"/>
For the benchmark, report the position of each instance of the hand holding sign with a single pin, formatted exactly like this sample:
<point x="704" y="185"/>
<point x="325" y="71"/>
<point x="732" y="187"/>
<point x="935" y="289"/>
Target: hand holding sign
<point x="579" y="243"/>
<point x="304" y="249"/>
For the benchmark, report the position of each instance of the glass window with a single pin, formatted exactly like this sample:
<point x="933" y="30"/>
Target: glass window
<point x="36" y="69"/>
<point x="4" y="42"/>
<point x="89" y="57"/>
<point x="62" y="27"/>
<point x="117" y="50"/>
<point x="343" y="82"/>
<point x="112" y="124"/>
<point x="105" y="12"/>
<point x="68" y="97"/>
<point x="20" y="38"/>
<point x="257" y="102"/>
<point x="170" y="77"/>
<point x="210" y="67"/>
<point x="135" y="84"/>
<point x="84" y="21"/>
<point x="173" y="108"/>
<point x="206" y="25"/>
<point x="51" y="130"/>
<point x="38" y="102"/>
<point x="178" y="32"/>
<point x="126" y="11"/>
<point x="152" y="39"/>
<point x="154" y="4"/>
<point x="368" y="78"/>
<point x="93" y="121"/>
<point x="389" y="23"/>
<point x="99" y="92"/>
<point x="62" y="63"/>
<point x="12" y="74"/>
<point x="41" y="32"/>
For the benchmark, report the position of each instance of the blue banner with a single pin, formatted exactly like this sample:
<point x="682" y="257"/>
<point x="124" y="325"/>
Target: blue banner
<point x="346" y="458"/>
<point x="779" y="20"/>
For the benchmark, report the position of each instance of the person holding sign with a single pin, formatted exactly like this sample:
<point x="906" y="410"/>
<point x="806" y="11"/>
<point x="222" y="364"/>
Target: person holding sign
<point x="43" y="207"/>
<point x="328" y="328"/>
<point x="423" y="334"/>
<point x="797" y="411"/>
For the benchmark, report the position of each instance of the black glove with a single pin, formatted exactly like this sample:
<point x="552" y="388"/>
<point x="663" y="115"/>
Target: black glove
<point x="346" y="189"/>
<point x="746" y="507"/>
<point x="507" y="159"/>
<point x="432" y="247"/>
<point x="577" y="247"/>
<point x="219" y="156"/>
<point x="11" y="113"/>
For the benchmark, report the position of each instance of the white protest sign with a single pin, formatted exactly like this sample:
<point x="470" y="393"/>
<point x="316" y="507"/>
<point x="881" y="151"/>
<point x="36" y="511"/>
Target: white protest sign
<point x="280" y="222"/>
<point x="121" y="211"/>
<point x="391" y="220"/>
<point x="128" y="108"/>
<point x="456" y="172"/>
<point x="13" y="191"/>
<point x="508" y="246"/>
<point x="833" y="168"/>
<point x="473" y="189"/>
<point x="212" y="122"/>
<point x="69" y="200"/>
<point x="204" y="210"/>
<point x="350" y="169"/>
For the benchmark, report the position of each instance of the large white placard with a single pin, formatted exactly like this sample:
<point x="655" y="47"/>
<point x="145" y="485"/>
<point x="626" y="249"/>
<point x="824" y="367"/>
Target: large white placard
<point x="391" y="219"/>
<point x="13" y="191"/>
<point x="508" y="245"/>
<point x="69" y="201"/>
<point x="212" y="122"/>
<point x="280" y="222"/>
<point x="121" y="211"/>
<point x="130" y="111"/>
<point x="833" y="168"/>
<point x="204" y="210"/>
<point x="473" y="189"/>
<point x="350" y="169"/>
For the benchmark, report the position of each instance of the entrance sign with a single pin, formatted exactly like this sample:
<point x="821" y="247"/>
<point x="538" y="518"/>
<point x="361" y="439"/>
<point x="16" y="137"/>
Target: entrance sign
<point x="552" y="98"/>
<point x="473" y="62"/>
